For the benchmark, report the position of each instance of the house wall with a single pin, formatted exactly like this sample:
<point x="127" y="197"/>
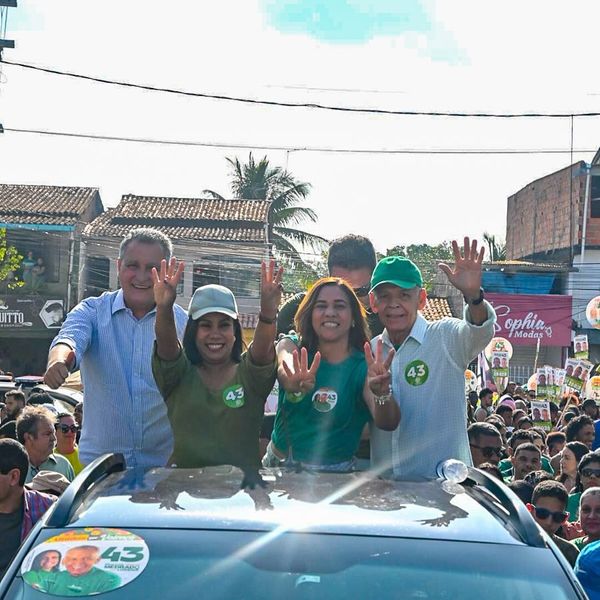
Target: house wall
<point x="109" y="249"/>
<point x="538" y="216"/>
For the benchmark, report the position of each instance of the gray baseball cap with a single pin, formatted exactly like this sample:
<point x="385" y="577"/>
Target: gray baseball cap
<point x="213" y="298"/>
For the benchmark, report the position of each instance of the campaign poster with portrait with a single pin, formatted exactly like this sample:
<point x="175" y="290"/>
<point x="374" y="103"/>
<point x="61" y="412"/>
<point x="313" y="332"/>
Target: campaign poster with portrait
<point x="540" y="414"/>
<point x="551" y="391"/>
<point x="499" y="362"/>
<point x="85" y="562"/>
<point x="573" y="374"/>
<point x="542" y="383"/>
<point x="559" y="381"/>
<point x="580" y="346"/>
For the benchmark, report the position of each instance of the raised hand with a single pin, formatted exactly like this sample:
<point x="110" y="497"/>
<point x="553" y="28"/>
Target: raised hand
<point x="165" y="282"/>
<point x="271" y="289"/>
<point x="379" y="377"/>
<point x="301" y="377"/>
<point x="466" y="275"/>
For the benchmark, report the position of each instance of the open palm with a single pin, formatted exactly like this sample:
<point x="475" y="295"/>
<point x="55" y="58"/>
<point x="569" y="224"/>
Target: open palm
<point x="166" y="281"/>
<point x="466" y="274"/>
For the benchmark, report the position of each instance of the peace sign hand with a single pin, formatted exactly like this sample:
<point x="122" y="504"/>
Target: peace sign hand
<point x="271" y="289"/>
<point x="466" y="275"/>
<point x="301" y="378"/>
<point x="165" y="282"/>
<point x="379" y="377"/>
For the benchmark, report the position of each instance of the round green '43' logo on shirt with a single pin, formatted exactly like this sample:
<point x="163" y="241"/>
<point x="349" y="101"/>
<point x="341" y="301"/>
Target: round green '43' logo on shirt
<point x="416" y="372"/>
<point x="234" y="396"/>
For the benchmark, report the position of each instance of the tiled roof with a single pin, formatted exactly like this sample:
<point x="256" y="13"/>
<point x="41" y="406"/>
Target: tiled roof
<point x="194" y="209"/>
<point x="185" y="218"/>
<point x="436" y="309"/>
<point x="44" y="204"/>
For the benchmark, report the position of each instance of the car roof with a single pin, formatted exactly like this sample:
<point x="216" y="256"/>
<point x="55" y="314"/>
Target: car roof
<point x="355" y="504"/>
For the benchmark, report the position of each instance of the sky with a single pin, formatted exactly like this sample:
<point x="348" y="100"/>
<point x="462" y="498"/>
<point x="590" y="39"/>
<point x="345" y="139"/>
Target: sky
<point x="428" y="55"/>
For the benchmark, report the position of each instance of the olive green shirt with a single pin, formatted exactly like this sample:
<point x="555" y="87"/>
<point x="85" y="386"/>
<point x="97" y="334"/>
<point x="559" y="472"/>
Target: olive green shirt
<point x="214" y="427"/>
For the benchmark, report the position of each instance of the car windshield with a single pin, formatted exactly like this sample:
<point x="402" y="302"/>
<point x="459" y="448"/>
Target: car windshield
<point x="250" y="565"/>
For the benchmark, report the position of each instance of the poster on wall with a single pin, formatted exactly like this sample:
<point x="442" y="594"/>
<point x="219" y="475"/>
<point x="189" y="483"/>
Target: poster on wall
<point x="31" y="313"/>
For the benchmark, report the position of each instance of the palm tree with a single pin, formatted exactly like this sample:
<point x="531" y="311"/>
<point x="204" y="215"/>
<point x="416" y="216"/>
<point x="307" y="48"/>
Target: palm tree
<point x="260" y="181"/>
<point x="496" y="249"/>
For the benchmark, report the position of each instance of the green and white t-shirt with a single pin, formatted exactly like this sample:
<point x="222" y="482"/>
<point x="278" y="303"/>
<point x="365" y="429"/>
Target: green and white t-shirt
<point x="214" y="427"/>
<point x="323" y="427"/>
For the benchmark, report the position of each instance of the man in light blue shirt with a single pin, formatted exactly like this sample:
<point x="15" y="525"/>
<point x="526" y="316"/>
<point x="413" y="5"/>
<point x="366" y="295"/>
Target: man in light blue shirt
<point x="428" y="369"/>
<point x="110" y="338"/>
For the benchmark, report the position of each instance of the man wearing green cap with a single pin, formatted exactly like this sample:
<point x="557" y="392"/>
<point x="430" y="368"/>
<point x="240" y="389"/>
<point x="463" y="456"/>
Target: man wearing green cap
<point x="431" y="357"/>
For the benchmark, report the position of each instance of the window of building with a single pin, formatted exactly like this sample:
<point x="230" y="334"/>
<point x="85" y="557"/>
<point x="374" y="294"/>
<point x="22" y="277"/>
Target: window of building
<point x="206" y="272"/>
<point x="241" y="276"/>
<point x="98" y="276"/>
<point x="595" y="201"/>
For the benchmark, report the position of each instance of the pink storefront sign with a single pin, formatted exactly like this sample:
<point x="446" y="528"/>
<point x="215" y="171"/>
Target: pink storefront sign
<point x="525" y="318"/>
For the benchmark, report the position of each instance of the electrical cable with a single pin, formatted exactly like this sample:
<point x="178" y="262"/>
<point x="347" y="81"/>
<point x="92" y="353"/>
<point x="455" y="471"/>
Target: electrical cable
<point x="417" y="151"/>
<point x="312" y="105"/>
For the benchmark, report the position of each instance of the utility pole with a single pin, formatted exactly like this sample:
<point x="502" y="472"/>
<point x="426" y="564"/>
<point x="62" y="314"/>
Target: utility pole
<point x="5" y="4"/>
<point x="7" y="43"/>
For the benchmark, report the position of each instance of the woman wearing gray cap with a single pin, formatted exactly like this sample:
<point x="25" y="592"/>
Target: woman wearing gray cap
<point x="215" y="392"/>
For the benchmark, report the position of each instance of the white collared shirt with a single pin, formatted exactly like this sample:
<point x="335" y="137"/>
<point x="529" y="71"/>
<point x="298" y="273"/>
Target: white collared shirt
<point x="428" y="381"/>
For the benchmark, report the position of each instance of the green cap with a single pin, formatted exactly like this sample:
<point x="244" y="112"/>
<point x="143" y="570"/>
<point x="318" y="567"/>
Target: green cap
<point x="213" y="298"/>
<point x="397" y="270"/>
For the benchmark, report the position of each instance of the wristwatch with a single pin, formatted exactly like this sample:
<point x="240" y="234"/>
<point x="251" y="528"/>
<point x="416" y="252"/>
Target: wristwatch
<point x="477" y="300"/>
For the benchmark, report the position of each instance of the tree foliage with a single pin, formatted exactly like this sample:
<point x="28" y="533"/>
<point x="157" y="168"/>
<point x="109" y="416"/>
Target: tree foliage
<point x="260" y="181"/>
<point x="10" y="261"/>
<point x="426" y="257"/>
<point x="496" y="248"/>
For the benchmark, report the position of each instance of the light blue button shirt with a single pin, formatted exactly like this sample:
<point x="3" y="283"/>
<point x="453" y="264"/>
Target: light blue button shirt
<point x="433" y="423"/>
<point x="124" y="411"/>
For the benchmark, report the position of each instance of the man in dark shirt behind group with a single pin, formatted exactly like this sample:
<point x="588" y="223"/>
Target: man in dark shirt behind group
<point x="352" y="258"/>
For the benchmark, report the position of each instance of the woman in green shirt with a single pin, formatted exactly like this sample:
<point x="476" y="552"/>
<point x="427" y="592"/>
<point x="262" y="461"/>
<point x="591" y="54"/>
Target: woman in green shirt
<point x="214" y="392"/>
<point x="324" y="407"/>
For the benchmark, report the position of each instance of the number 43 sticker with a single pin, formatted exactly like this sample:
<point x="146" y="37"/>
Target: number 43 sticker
<point x="416" y="372"/>
<point x="234" y="396"/>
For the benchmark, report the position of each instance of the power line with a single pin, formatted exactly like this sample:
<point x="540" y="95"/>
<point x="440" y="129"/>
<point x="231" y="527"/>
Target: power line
<point x="426" y="151"/>
<point x="350" y="109"/>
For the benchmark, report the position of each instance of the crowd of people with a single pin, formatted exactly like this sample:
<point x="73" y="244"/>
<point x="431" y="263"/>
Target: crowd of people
<point x="556" y="474"/>
<point x="354" y="359"/>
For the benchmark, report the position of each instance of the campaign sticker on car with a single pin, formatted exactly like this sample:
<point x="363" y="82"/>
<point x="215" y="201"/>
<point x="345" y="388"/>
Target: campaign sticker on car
<point x="85" y="562"/>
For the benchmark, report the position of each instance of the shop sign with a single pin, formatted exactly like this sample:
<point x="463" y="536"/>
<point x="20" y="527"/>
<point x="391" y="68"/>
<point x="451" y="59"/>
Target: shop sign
<point x="523" y="319"/>
<point x="30" y="313"/>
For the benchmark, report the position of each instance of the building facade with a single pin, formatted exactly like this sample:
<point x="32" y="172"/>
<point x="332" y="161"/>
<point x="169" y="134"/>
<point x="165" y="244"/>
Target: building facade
<point x="220" y="241"/>
<point x="557" y="219"/>
<point x="44" y="224"/>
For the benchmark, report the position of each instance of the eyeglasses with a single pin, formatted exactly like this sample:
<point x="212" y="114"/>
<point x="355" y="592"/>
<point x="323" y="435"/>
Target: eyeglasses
<point x="587" y="472"/>
<point x="487" y="451"/>
<point x="66" y="428"/>
<point x="363" y="290"/>
<point x="544" y="513"/>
